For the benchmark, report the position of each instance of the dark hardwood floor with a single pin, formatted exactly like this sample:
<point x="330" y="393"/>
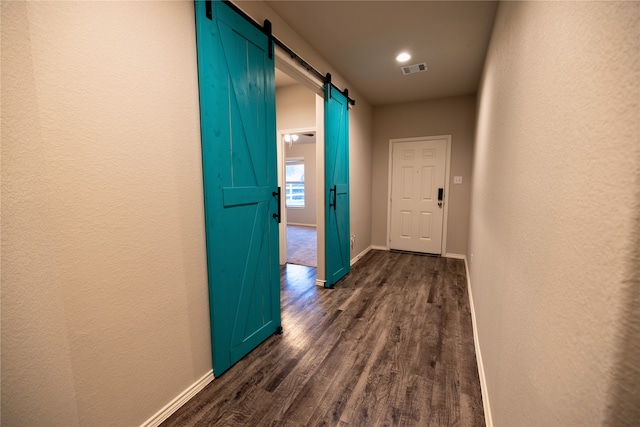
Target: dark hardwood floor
<point x="391" y="345"/>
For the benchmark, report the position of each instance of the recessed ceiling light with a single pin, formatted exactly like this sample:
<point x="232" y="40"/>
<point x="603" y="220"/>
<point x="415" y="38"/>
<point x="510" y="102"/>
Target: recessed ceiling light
<point x="403" y="57"/>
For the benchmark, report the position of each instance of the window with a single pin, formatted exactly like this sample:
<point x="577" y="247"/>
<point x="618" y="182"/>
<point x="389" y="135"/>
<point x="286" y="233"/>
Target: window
<point x="294" y="190"/>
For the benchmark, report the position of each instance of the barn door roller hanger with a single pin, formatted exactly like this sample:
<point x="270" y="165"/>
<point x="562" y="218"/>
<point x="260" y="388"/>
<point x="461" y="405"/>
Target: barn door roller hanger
<point x="267" y="29"/>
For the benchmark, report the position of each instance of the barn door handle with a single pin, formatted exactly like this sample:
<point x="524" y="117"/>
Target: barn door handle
<point x="208" y="10"/>
<point x="440" y="195"/>
<point x="279" y="208"/>
<point x="334" y="197"/>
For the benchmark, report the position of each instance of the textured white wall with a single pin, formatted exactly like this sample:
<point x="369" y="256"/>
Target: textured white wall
<point x="554" y="221"/>
<point x="360" y="173"/>
<point x="449" y="116"/>
<point x="104" y="289"/>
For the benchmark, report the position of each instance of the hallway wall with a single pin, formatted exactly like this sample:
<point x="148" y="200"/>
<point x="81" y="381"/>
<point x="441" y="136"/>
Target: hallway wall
<point x="105" y="314"/>
<point x="553" y="247"/>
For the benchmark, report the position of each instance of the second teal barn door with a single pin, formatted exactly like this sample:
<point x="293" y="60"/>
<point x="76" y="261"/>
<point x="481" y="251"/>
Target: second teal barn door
<point x="337" y="253"/>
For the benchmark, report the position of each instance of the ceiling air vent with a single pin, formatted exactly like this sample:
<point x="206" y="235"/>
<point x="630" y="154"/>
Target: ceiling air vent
<point x="415" y="68"/>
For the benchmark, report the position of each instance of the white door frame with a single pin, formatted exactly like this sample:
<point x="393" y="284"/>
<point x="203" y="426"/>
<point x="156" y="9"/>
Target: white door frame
<point x="447" y="169"/>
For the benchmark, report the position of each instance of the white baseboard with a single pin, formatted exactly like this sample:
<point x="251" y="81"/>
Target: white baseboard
<point x="488" y="419"/>
<point x="180" y="400"/>
<point x="302" y="225"/>
<point x="446" y="255"/>
<point x="321" y="282"/>
<point x="454" y="256"/>
<point x="359" y="256"/>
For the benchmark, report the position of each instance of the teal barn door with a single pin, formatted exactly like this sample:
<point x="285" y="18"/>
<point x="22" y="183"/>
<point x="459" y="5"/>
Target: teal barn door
<point x="337" y="253"/>
<point x="237" y="120"/>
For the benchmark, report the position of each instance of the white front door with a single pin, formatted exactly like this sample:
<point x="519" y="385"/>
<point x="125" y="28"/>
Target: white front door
<point x="417" y="195"/>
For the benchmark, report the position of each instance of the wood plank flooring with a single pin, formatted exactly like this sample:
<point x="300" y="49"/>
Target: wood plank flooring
<point x="391" y="345"/>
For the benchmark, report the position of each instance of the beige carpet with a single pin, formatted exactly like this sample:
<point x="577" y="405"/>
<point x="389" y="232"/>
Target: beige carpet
<point x="302" y="245"/>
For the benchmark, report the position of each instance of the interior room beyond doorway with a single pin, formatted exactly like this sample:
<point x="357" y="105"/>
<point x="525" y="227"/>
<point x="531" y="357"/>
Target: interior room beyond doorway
<point x="298" y="169"/>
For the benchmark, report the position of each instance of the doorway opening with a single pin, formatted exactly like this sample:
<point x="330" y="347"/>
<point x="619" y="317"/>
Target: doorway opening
<point x="300" y="197"/>
<point x="300" y="124"/>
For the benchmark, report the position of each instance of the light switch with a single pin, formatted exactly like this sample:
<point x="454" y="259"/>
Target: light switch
<point x="457" y="180"/>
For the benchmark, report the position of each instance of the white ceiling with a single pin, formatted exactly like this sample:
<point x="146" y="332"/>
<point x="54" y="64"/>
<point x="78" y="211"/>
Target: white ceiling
<point x="362" y="38"/>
